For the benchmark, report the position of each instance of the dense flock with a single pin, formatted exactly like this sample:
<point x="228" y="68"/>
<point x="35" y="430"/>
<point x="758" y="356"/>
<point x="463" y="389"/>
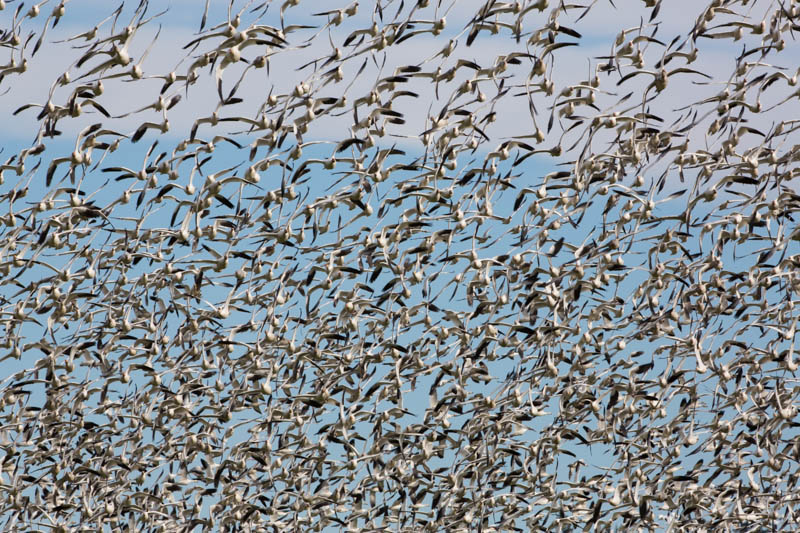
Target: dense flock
<point x="399" y="266"/>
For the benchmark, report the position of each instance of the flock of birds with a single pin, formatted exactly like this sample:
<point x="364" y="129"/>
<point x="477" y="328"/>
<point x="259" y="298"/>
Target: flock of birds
<point x="542" y="304"/>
